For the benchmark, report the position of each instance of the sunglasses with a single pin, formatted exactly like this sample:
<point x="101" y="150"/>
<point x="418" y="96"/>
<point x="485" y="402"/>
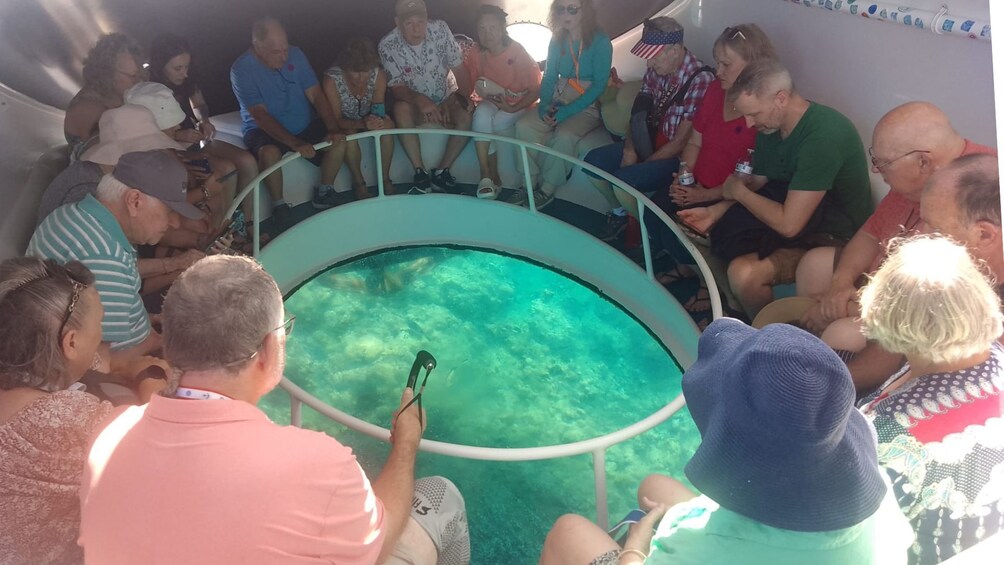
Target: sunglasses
<point x="733" y="33"/>
<point x="572" y="10"/>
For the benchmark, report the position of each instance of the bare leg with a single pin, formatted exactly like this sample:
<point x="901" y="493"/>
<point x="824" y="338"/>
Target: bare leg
<point x="268" y="156"/>
<point x="750" y="279"/>
<point x="660" y="488"/>
<point x="247" y="166"/>
<point x="334" y="156"/>
<point x="354" y="159"/>
<point x="404" y="116"/>
<point x="387" y="150"/>
<point x="844" y="334"/>
<point x="481" y="148"/>
<point x="815" y="272"/>
<point x="461" y="119"/>
<point x="417" y="548"/>
<point x="574" y="540"/>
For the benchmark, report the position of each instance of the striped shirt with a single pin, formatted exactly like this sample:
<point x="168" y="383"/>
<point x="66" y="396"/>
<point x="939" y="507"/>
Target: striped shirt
<point x="86" y="231"/>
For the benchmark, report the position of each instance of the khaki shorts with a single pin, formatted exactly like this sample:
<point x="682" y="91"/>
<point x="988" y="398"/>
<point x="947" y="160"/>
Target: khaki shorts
<point x="785" y="260"/>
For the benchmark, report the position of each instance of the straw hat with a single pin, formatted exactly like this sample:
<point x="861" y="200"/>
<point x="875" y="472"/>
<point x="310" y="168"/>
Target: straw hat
<point x="784" y="311"/>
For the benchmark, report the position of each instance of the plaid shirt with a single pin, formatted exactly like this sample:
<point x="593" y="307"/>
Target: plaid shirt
<point x="660" y="87"/>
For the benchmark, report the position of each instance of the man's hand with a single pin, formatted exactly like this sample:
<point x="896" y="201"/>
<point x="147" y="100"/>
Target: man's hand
<point x="406" y="427"/>
<point x="429" y="110"/>
<point x="305" y="150"/>
<point x="183" y="261"/>
<point x="188" y="136"/>
<point x="629" y="157"/>
<point x="733" y="187"/>
<point x="837" y="303"/>
<point x="208" y="130"/>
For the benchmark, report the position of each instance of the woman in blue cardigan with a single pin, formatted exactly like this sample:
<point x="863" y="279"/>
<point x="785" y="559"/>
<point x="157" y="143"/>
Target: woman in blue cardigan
<point x="578" y="65"/>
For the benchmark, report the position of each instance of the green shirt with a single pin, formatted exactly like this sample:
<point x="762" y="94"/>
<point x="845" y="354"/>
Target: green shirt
<point x="701" y="532"/>
<point x="86" y="231"/>
<point x="823" y="152"/>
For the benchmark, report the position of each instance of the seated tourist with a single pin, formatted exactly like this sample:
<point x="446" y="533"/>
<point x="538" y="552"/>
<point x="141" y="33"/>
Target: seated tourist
<point x="909" y="143"/>
<point x="786" y="469"/>
<point x="225" y="474"/>
<point x="939" y="418"/>
<point x="578" y="65"/>
<point x="356" y="89"/>
<point x="506" y="82"/>
<point x="809" y="187"/>
<point x="720" y="139"/>
<point x="672" y="90"/>
<point x="283" y="109"/>
<point x="113" y="66"/>
<point x="50" y="333"/>
<point x="170" y="65"/>
<point x="211" y="187"/>
<point x="425" y="68"/>
<point x="134" y="205"/>
<point x="961" y="201"/>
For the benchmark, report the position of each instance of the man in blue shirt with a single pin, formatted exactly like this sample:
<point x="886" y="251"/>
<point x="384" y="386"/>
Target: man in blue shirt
<point x="279" y="95"/>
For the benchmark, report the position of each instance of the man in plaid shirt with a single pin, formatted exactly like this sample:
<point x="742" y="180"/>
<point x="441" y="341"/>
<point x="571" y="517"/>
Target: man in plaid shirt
<point x="662" y="113"/>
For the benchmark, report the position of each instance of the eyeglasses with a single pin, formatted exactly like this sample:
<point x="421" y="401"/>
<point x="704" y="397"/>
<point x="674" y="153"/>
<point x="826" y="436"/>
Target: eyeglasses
<point x="74" y="298"/>
<point x="881" y="165"/>
<point x="734" y="33"/>
<point x="287" y="328"/>
<point x="572" y="10"/>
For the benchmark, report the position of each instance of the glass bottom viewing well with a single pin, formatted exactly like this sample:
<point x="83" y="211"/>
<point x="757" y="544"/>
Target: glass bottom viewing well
<point x="526" y="358"/>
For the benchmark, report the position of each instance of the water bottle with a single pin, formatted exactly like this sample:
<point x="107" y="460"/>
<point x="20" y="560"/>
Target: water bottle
<point x="684" y="176"/>
<point x="744" y="167"/>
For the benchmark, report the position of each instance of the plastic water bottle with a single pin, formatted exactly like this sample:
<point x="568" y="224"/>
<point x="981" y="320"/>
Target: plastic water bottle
<point x="684" y="176"/>
<point x="744" y="167"/>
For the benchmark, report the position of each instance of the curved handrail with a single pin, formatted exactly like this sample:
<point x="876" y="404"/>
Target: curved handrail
<point x="641" y="199"/>
<point x="491" y="453"/>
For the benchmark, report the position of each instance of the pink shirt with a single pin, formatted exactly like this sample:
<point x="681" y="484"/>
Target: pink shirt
<point x="512" y="69"/>
<point x="897" y="215"/>
<point x="214" y="481"/>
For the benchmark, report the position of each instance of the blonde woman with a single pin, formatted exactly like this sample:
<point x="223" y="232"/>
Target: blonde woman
<point x="940" y="431"/>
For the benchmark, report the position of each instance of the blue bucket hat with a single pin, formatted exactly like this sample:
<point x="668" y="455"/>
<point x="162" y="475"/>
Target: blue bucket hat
<point x="781" y="441"/>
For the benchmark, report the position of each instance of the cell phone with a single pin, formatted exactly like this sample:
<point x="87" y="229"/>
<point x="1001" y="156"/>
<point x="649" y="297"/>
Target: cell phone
<point x="226" y="233"/>
<point x="423" y="360"/>
<point x="201" y="164"/>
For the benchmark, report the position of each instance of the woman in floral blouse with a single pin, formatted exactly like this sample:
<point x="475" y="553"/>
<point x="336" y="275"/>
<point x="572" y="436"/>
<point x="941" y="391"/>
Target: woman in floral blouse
<point x="940" y="430"/>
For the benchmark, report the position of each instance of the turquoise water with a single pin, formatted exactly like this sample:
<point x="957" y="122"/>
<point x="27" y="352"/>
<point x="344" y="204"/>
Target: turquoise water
<point x="526" y="358"/>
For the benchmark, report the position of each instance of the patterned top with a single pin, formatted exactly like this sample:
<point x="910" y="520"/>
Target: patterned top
<point x="941" y="440"/>
<point x="353" y="107"/>
<point x="42" y="451"/>
<point x="662" y="89"/>
<point x="423" y="68"/>
<point x="87" y="232"/>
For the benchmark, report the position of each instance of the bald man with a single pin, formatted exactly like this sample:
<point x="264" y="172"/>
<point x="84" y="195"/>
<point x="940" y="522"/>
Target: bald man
<point x="909" y="144"/>
<point x="282" y="110"/>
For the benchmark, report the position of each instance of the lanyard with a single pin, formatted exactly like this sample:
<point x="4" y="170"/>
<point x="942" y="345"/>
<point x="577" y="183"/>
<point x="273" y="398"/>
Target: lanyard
<point x="186" y="393"/>
<point x="575" y="58"/>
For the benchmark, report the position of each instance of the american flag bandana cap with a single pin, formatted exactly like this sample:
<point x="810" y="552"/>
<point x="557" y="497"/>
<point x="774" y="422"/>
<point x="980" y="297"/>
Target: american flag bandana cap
<point x="653" y="40"/>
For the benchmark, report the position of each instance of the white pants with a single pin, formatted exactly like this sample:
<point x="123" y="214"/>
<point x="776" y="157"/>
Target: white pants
<point x="488" y="118"/>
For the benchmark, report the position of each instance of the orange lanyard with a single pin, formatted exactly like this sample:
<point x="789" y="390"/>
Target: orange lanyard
<point x="575" y="58"/>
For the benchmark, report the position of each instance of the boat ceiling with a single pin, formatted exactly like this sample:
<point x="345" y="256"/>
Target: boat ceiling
<point x="43" y="42"/>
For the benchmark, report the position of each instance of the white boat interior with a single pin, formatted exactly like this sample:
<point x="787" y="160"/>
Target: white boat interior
<point x="860" y="57"/>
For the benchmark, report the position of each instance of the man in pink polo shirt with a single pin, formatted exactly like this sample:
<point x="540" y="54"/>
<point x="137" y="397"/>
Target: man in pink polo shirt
<point x="909" y="144"/>
<point x="202" y="476"/>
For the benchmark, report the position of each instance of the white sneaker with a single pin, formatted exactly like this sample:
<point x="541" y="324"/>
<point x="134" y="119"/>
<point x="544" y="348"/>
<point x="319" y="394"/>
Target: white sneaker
<point x="487" y="189"/>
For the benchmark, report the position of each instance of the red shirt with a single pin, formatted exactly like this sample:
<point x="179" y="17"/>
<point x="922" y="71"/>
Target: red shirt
<point x="723" y="143"/>
<point x="897" y="216"/>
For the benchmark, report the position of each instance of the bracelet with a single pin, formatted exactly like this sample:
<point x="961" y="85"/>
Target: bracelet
<point x="639" y="552"/>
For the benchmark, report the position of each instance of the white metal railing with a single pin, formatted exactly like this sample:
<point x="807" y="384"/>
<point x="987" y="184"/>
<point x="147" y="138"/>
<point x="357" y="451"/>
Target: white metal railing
<point x="596" y="446"/>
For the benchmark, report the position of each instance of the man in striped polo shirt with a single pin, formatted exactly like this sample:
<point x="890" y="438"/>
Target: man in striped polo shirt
<point x="134" y="205"/>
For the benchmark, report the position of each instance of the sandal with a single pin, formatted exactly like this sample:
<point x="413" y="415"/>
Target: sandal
<point x="700" y="302"/>
<point x="488" y="190"/>
<point x="676" y="274"/>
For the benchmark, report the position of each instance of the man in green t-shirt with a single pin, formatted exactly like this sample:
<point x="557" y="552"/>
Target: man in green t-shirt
<point x="812" y="149"/>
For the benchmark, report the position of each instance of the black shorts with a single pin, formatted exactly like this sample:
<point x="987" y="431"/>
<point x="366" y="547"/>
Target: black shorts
<point x="315" y="132"/>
